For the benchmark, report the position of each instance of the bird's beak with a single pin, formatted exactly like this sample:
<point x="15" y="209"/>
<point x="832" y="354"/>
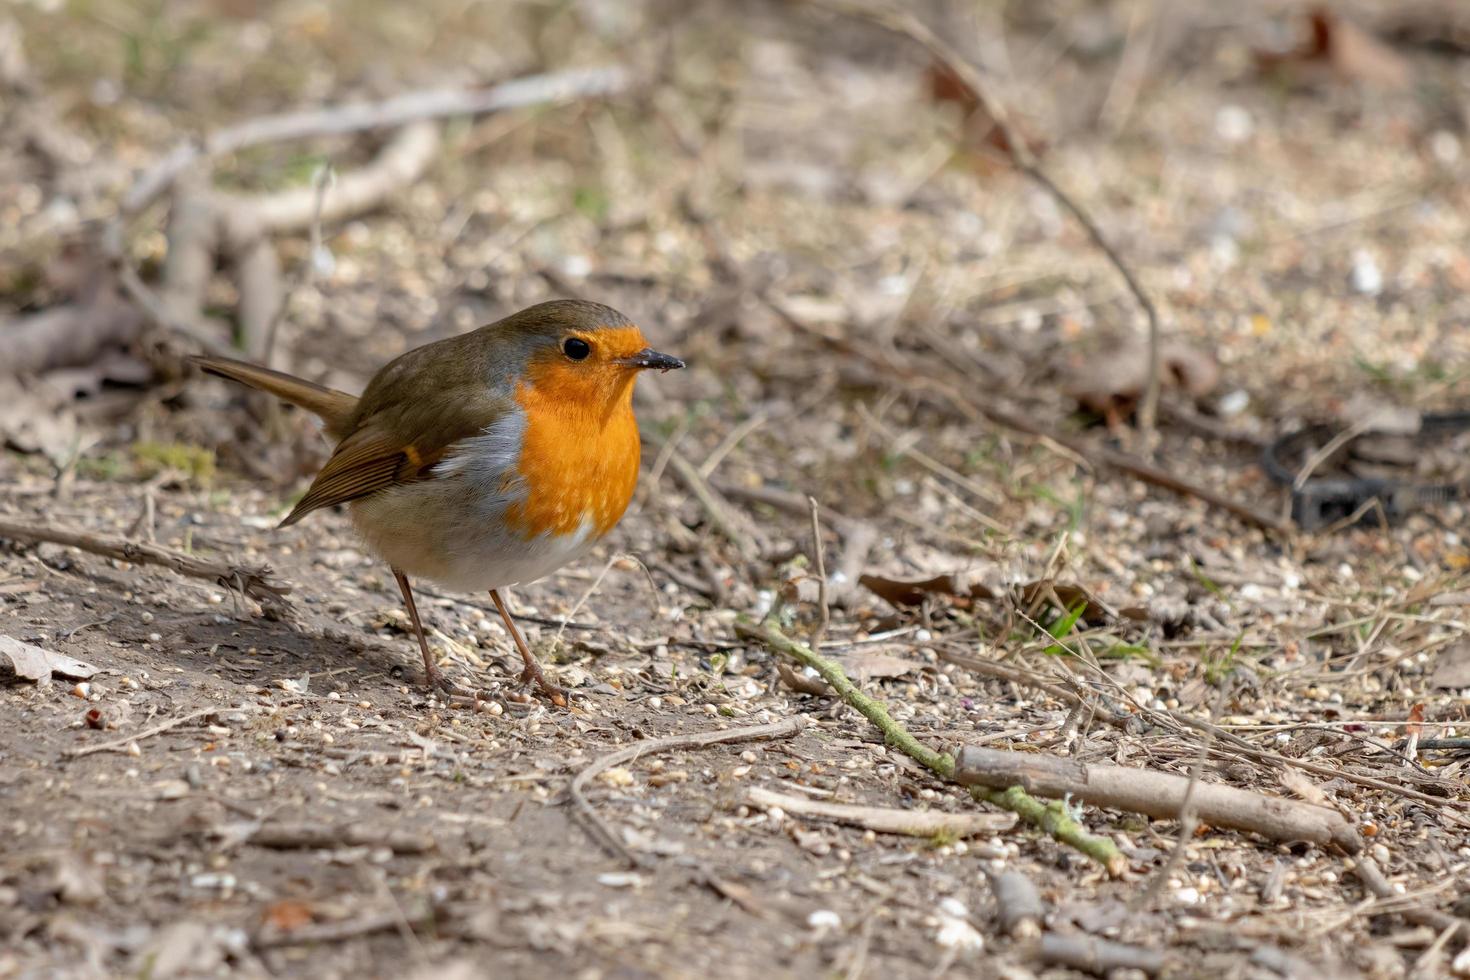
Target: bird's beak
<point x="650" y="358"/>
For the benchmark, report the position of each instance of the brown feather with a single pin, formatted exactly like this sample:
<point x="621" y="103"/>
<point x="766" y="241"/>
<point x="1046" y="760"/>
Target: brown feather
<point x="335" y="408"/>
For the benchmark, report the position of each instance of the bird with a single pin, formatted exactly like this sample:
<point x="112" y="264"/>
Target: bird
<point x="484" y="460"/>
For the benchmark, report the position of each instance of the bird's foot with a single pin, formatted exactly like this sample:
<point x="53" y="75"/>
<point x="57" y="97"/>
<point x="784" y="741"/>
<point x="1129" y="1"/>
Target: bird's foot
<point x="552" y="693"/>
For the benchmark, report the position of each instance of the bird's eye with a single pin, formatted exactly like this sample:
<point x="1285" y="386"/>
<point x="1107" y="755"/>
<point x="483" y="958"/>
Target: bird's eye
<point x="576" y="348"/>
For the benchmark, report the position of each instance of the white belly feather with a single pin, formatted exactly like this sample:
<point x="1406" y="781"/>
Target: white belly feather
<point x="450" y="527"/>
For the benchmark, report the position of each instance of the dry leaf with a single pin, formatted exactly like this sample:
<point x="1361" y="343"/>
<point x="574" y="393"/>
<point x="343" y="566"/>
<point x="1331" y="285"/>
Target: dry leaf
<point x="287" y="915"/>
<point x="802" y="683"/>
<point x="901" y="592"/>
<point x="1111" y="383"/>
<point x="1452" y="668"/>
<point x="870" y="666"/>
<point x="31" y="663"/>
<point x="980" y="132"/>
<point x="1299" y="783"/>
<point x="1337" y="49"/>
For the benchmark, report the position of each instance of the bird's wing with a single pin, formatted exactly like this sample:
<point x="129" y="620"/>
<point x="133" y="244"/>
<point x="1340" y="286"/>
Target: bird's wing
<point x="399" y="444"/>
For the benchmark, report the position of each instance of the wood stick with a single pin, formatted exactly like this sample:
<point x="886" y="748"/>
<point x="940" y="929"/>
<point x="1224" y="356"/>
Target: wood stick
<point x="400" y="163"/>
<point x="316" y="836"/>
<point x="400" y="110"/>
<point x="1156" y="794"/>
<point x="1026" y="678"/>
<point x="121" y="744"/>
<point x="1137" y="468"/>
<point x="1018" y="905"/>
<point x="1052" y="818"/>
<point x="1099" y="956"/>
<point x="601" y="832"/>
<point x="328" y="932"/>
<point x="722" y="516"/>
<point x="1372" y="878"/>
<point x="65" y="336"/>
<point x="255" y="581"/>
<point x="887" y="820"/>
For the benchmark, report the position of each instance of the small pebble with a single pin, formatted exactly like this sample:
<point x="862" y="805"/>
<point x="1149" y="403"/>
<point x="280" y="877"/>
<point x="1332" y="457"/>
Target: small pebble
<point x="824" y="920"/>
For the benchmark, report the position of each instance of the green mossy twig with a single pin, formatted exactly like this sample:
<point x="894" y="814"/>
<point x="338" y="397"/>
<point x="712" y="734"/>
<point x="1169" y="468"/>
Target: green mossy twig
<point x="1052" y="818"/>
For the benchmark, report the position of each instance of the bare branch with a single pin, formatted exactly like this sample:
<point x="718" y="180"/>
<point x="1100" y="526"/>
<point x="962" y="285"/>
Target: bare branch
<point x="1156" y="794"/>
<point x="389" y="113"/>
<point x="255" y="581"/>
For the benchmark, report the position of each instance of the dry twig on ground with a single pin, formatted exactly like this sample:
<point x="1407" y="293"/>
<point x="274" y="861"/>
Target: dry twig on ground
<point x="1051" y="818"/>
<point x="318" y="836"/>
<point x="254" y="581"/>
<point x="1156" y="794"/>
<point x="888" y="820"/>
<point x="1099" y="956"/>
<point x="1368" y="872"/>
<point x="1018" y="905"/>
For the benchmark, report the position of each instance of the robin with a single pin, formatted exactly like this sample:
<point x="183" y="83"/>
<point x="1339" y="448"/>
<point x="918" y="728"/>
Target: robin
<point x="485" y="460"/>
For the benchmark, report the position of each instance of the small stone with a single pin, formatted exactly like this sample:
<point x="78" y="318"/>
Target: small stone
<point x="1233" y="124"/>
<point x="616" y="776"/>
<point x="824" y="920"/>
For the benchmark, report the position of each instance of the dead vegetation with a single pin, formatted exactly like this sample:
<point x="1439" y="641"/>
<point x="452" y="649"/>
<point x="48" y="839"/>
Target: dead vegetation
<point x="1050" y="563"/>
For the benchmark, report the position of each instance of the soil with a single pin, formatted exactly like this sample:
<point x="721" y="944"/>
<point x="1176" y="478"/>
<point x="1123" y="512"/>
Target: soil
<point x="241" y="791"/>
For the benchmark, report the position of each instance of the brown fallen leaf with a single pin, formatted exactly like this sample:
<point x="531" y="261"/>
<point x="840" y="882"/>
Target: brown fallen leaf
<point x="870" y="666"/>
<point x="1336" y="49"/>
<point x="30" y="663"/>
<point x="1110" y="383"/>
<point x="1070" y="594"/>
<point x="1452" y="668"/>
<point x="980" y="130"/>
<point x="911" y="592"/>
<point x="958" y="586"/>
<point x="859" y="667"/>
<point x="287" y="915"/>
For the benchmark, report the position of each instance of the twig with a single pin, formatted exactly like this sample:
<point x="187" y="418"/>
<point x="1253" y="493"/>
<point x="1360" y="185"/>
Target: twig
<point x="1372" y="878"/>
<point x="901" y="21"/>
<point x="1137" y="468"/>
<point x="330" y="932"/>
<point x="1017" y="904"/>
<point x="159" y="312"/>
<point x="254" y="581"/>
<point x="858" y="536"/>
<point x="67" y="335"/>
<point x="1188" y="813"/>
<point x="390" y="113"/>
<point x="718" y="509"/>
<point x="400" y="162"/>
<point x="121" y="744"/>
<point x="316" y="836"/>
<point x="600" y="831"/>
<point x="1098" y="956"/>
<point x="1156" y="794"/>
<point x="825" y="611"/>
<point x="1241" y="746"/>
<point x="888" y="820"/>
<point x="1053" y="819"/>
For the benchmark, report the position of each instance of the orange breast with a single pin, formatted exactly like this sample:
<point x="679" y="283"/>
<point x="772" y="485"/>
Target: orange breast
<point x="579" y="459"/>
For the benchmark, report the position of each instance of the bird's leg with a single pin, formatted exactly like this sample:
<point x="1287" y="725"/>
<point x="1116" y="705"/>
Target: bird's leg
<point x="432" y="677"/>
<point x="555" y="694"/>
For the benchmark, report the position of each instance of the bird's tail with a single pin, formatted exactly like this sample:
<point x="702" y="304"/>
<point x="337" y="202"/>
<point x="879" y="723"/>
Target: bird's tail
<point x="335" y="408"/>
